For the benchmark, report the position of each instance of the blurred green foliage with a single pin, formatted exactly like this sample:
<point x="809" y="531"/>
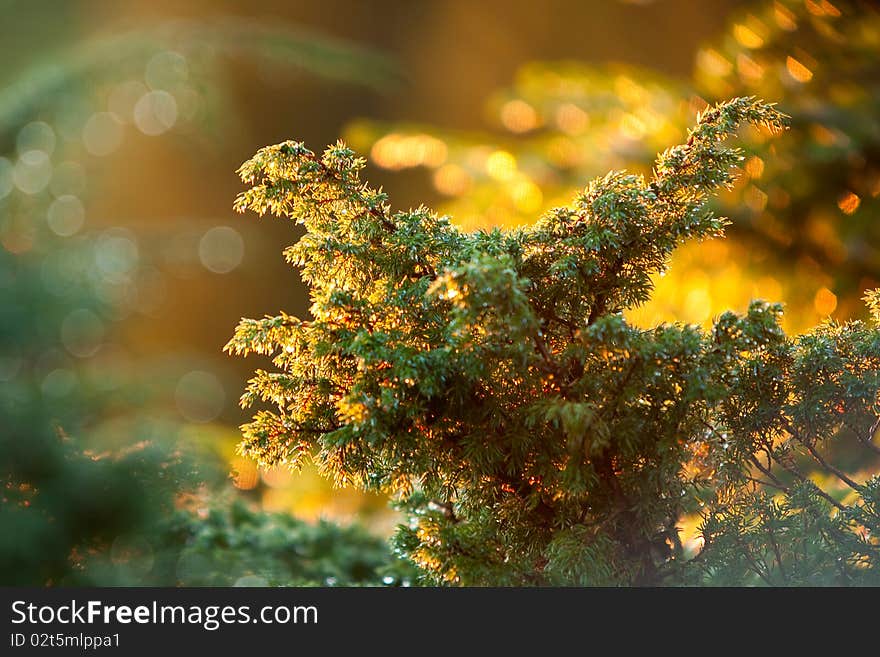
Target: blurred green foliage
<point x="203" y="46"/>
<point x="231" y="543"/>
<point x="62" y="507"/>
<point x="100" y="484"/>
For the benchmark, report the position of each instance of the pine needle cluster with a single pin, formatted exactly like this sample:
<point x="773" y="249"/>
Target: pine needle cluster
<point x="490" y="382"/>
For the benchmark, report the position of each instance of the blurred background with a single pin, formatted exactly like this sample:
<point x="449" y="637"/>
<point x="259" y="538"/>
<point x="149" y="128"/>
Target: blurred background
<point x="123" y="270"/>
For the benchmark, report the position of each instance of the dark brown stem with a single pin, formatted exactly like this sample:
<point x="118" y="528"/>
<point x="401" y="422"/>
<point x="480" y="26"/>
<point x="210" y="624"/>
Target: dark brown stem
<point x="868" y="439"/>
<point x="803" y="478"/>
<point x="828" y="466"/>
<point x="768" y="473"/>
<point x="754" y="564"/>
<point x="776" y="551"/>
<point x="818" y="457"/>
<point x="639" y="547"/>
<point x="761" y="482"/>
<point x="599" y="306"/>
<point x="545" y="353"/>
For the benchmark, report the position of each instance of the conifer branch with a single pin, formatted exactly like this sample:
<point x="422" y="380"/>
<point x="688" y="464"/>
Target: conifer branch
<point x="495" y="369"/>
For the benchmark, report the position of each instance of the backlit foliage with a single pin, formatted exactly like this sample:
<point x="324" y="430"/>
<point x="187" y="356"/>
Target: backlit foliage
<point x="802" y="214"/>
<point x="532" y="434"/>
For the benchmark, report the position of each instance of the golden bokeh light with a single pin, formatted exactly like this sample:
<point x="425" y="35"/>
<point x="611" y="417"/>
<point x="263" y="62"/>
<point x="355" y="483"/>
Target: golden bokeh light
<point x="714" y="63"/>
<point x="518" y="116"/>
<point x="632" y="126"/>
<point x="755" y="199"/>
<point x="825" y="301"/>
<point x="396" y="151"/>
<point x="747" y="36"/>
<point x="749" y="69"/>
<point x="501" y="166"/>
<point x="571" y="119"/>
<point x="785" y="18"/>
<point x="826" y="136"/>
<point x="822" y="8"/>
<point x="798" y="70"/>
<point x="849" y="203"/>
<point x="452" y="180"/>
<point x="245" y="473"/>
<point x="754" y="167"/>
<point x="526" y="195"/>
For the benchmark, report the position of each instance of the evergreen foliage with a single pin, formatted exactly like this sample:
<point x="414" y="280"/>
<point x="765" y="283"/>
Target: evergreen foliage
<point x="71" y="517"/>
<point x="62" y="507"/>
<point x="74" y="512"/>
<point x="230" y="543"/>
<point x="803" y="212"/>
<point x="533" y="436"/>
